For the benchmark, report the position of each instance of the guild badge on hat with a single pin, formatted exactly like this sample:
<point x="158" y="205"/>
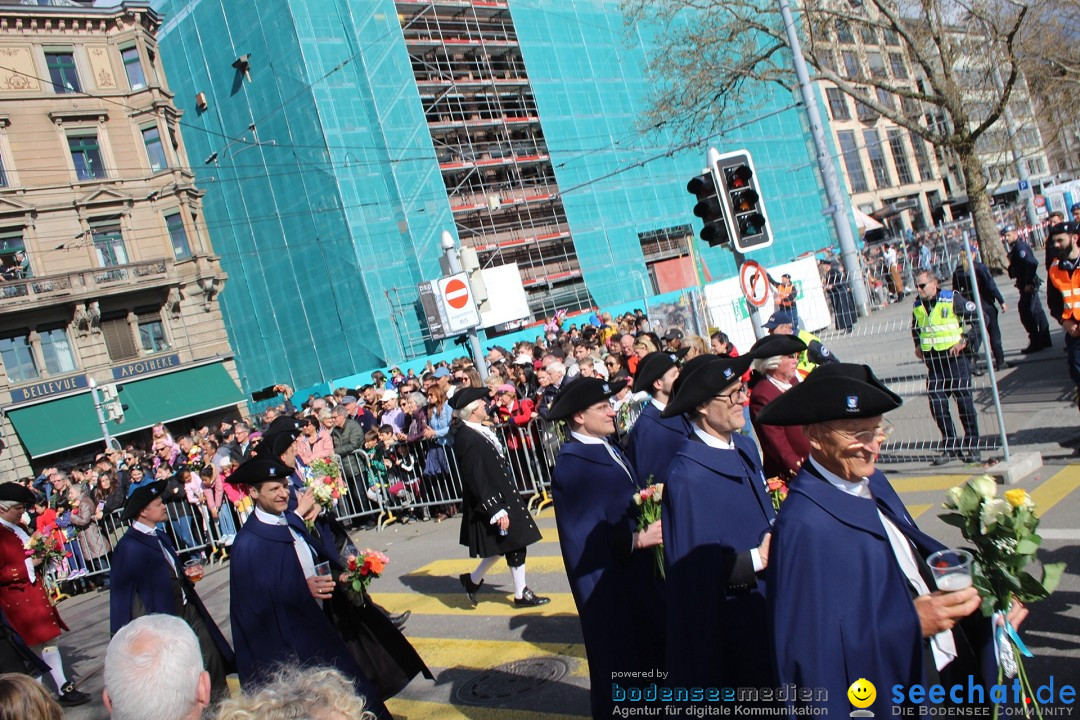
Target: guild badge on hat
<point x="727" y="372"/>
<point x="853" y="403"/>
<point x="272" y="471"/>
<point x="607" y="388"/>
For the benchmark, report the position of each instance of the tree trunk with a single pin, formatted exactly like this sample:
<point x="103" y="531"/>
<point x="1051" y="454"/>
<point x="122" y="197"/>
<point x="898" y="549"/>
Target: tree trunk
<point x="993" y="252"/>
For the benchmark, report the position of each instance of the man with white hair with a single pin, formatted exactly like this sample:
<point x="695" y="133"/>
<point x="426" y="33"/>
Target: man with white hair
<point x="494" y="519"/>
<point x="154" y="671"/>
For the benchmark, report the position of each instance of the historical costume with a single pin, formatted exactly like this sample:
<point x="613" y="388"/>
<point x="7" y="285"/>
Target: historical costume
<point x="148" y="577"/>
<point x="654" y="439"/>
<point x="31" y="620"/>
<point x="716" y="514"/>
<point x="847" y="561"/>
<point x="617" y="585"/>
<point x="783" y="448"/>
<point x="494" y="519"/>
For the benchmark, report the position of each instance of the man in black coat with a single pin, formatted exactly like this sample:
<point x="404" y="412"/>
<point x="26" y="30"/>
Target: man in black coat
<point x="1024" y="268"/>
<point x="990" y="297"/>
<point x="494" y="519"/>
<point x="147" y="577"/>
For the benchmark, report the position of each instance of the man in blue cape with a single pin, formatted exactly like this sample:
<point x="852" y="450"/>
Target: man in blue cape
<point x="716" y="516"/>
<point x="147" y="577"/>
<point x="611" y="564"/>
<point x="850" y="594"/>
<point x="654" y="439"/>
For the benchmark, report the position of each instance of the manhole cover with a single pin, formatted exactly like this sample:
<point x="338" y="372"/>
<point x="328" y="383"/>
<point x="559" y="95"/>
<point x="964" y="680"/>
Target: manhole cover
<point x="510" y="680"/>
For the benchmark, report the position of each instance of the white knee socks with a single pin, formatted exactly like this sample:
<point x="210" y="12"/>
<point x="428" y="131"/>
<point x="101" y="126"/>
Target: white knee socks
<point x="485" y="565"/>
<point x="518" y="573"/>
<point x="51" y="656"/>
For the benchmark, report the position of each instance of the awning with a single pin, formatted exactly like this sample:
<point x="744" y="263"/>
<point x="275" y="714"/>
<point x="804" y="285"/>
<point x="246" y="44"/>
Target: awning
<point x="864" y="222"/>
<point x="69" y="422"/>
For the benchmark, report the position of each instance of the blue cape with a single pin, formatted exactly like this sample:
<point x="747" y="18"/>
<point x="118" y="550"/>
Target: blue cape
<point x="654" y="441"/>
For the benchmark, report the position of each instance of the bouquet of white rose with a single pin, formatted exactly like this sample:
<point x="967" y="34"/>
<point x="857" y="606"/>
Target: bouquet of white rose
<point x="1003" y="532"/>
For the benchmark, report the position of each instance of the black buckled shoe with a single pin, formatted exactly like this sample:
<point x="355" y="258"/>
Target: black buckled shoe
<point x="471" y="588"/>
<point x="530" y="599"/>
<point x="70" y="697"/>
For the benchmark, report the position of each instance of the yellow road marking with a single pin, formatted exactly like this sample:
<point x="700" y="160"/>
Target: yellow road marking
<point x="928" y="482"/>
<point x="1054" y="490"/>
<point x="491" y="603"/>
<point x="917" y="510"/>
<point x="454" y="566"/>
<point x="416" y="709"/>
<point x="483" y="654"/>
<point x="549" y="535"/>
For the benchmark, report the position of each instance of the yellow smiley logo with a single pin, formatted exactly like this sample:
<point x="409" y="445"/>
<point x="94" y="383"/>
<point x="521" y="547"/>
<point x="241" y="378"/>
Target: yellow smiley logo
<point x="862" y="693"/>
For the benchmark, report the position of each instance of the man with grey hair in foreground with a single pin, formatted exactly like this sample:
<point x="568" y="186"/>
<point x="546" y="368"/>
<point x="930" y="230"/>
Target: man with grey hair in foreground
<point x="154" y="671"/>
<point x="494" y="519"/>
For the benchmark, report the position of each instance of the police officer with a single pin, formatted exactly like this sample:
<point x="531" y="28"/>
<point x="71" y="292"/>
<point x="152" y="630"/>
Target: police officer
<point x="990" y="297"/>
<point x="1063" y="293"/>
<point x="939" y="341"/>
<point x="1024" y="268"/>
<point x="782" y="322"/>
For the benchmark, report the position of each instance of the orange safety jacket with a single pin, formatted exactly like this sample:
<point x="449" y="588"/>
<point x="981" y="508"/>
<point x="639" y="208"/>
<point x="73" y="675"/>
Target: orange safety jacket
<point x="785" y="296"/>
<point x="1068" y="284"/>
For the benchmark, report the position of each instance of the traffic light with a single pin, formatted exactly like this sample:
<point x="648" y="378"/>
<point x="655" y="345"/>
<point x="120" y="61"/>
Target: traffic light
<point x="709" y="209"/>
<point x="749" y="222"/>
<point x="110" y="401"/>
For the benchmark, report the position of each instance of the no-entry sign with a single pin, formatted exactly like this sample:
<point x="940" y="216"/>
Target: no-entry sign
<point x="461" y="312"/>
<point x="754" y="282"/>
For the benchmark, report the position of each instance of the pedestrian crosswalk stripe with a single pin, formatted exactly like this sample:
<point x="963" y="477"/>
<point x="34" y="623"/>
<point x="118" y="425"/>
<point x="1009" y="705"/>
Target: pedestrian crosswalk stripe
<point x="483" y="654"/>
<point x="917" y="510"/>
<point x="1054" y="490"/>
<point x="492" y="602"/>
<point x="456" y="566"/>
<point x="926" y="483"/>
<point x="413" y="709"/>
<point x="549" y="535"/>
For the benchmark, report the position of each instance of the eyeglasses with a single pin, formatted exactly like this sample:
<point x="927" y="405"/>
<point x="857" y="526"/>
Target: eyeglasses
<point x="921" y="285"/>
<point x="866" y="437"/>
<point x="610" y="363"/>
<point x="741" y="391"/>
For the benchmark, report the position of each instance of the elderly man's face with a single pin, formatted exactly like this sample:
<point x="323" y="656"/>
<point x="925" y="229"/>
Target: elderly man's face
<point x="836" y="447"/>
<point x="723" y="414"/>
<point x="626" y="342"/>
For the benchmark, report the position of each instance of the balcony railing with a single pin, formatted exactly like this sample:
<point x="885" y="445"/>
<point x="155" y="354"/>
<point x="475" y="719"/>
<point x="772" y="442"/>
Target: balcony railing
<point x="88" y="282"/>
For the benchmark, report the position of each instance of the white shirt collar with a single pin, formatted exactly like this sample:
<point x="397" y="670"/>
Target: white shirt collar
<point x="713" y="441"/>
<point x="14" y="527"/>
<point x="144" y="529"/>
<point x="587" y="439"/>
<point x="269" y="518"/>
<point x="780" y="384"/>
<point x="658" y="405"/>
<point x="858" y="489"/>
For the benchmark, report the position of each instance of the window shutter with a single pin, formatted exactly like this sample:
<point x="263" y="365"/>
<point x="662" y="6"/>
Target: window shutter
<point x="118" y="338"/>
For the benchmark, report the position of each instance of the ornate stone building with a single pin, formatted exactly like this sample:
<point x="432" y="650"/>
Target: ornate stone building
<point x="109" y="276"/>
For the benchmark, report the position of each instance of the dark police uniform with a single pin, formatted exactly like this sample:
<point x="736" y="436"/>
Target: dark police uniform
<point x="990" y="297"/>
<point x="936" y="329"/>
<point x="1024" y="268"/>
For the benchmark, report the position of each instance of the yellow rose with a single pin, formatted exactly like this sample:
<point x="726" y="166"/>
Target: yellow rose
<point x="1017" y="497"/>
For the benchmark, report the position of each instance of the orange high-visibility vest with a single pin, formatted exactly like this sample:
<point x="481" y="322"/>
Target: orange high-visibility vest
<point x="1069" y="285"/>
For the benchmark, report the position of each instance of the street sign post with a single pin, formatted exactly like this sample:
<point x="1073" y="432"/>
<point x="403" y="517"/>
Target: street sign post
<point x="461" y="312"/>
<point x="755" y="283"/>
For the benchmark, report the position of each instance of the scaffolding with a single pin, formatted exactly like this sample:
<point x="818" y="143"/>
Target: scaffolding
<point x="490" y="146"/>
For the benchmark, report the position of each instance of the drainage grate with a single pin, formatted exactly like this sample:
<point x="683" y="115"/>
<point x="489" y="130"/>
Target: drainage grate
<point x="511" y="680"/>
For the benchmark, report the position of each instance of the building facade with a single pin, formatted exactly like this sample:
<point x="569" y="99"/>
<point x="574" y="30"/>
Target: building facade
<point x="338" y="140"/>
<point x="885" y="165"/>
<point x="109" y="276"/>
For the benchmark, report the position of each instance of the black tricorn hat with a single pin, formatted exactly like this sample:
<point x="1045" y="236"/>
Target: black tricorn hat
<point x="142" y="496"/>
<point x="831" y="392"/>
<point x="281" y="433"/>
<point x="14" y="492"/>
<point x="773" y="345"/>
<point x="260" y="469"/>
<point x="464" y="396"/>
<point x="702" y="378"/>
<point x="582" y="393"/>
<point x="652" y="367"/>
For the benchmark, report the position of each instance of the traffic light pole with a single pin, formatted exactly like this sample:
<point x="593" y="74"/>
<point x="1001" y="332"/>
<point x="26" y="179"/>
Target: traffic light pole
<point x="453" y="259"/>
<point x="848" y="252"/>
<point x="96" y="395"/>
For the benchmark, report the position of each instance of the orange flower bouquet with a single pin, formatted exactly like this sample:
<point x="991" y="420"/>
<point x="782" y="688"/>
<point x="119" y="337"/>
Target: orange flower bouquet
<point x="361" y="570"/>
